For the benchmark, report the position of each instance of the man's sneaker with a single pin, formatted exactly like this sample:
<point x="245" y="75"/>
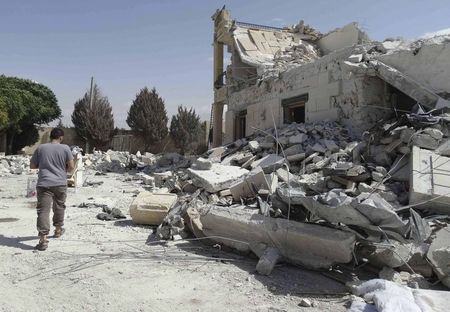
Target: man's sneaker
<point x="59" y="231"/>
<point x="43" y="243"/>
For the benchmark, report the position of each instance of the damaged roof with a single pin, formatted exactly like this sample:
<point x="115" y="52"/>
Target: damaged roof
<point x="265" y="46"/>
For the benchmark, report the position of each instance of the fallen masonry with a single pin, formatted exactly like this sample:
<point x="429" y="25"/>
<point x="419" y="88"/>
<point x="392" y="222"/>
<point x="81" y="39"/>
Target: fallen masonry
<point x="352" y="200"/>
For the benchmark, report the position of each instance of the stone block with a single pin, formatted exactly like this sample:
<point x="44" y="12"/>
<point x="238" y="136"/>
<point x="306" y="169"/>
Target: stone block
<point x="149" y="208"/>
<point x="218" y="178"/>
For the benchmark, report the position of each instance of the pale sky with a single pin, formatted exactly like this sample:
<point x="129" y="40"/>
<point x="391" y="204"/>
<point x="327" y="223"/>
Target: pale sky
<point x="166" y="44"/>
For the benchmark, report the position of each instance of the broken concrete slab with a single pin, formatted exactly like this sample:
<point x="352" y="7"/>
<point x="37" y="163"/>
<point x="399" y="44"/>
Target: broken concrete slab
<point x="310" y="245"/>
<point x="150" y="208"/>
<point x="443" y="149"/>
<point x="218" y="178"/>
<point x="426" y="141"/>
<point x="393" y="254"/>
<point x="269" y="163"/>
<point x="285" y="176"/>
<point x="430" y="181"/>
<point x="439" y="255"/>
<point x="250" y="185"/>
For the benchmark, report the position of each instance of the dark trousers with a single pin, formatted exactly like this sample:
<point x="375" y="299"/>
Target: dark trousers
<point x="49" y="198"/>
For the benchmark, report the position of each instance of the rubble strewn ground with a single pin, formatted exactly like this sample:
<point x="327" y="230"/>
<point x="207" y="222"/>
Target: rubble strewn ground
<point x="116" y="266"/>
<point x="313" y="195"/>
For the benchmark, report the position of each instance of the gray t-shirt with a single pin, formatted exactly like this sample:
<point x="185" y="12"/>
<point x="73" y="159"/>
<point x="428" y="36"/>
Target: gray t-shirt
<point x="51" y="160"/>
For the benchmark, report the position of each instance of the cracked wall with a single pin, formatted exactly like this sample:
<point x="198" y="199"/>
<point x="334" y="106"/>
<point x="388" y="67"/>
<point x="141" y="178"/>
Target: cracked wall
<point x="334" y="93"/>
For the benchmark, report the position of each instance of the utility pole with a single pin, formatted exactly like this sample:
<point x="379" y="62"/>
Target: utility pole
<point x="91" y="92"/>
<point x="91" y="100"/>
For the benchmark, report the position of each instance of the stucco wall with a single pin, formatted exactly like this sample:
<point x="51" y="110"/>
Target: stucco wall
<point x="334" y="91"/>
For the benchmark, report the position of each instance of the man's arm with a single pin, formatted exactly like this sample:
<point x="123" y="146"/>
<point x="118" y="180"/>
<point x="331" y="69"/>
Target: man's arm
<point x="70" y="166"/>
<point x="34" y="162"/>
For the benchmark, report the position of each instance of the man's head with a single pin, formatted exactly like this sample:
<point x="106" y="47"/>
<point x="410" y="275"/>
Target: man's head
<point x="57" y="134"/>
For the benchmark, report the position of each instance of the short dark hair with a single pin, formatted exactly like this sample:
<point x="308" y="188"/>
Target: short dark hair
<point x="56" y="133"/>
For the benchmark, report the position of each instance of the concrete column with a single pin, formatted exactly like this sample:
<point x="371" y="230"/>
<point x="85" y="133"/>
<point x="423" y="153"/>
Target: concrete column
<point x="217" y="106"/>
<point x="218" y="60"/>
<point x="217" y="127"/>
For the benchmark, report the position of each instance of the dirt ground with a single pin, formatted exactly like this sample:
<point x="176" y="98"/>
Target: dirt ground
<point x="117" y="266"/>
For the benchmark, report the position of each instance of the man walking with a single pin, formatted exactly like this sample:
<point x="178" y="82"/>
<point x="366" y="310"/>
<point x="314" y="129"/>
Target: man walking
<point x="53" y="160"/>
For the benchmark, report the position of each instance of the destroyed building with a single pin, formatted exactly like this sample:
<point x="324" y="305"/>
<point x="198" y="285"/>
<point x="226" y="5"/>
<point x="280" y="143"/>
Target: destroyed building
<point x="296" y="74"/>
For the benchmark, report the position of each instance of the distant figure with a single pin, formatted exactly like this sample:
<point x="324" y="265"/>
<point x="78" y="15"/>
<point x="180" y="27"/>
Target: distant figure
<point x="53" y="160"/>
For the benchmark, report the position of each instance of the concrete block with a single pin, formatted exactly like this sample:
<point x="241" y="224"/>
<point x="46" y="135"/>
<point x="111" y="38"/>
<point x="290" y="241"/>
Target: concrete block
<point x="269" y="163"/>
<point x="285" y="175"/>
<point x="318" y="148"/>
<point x="424" y="140"/>
<point x="296" y="157"/>
<point x="331" y="145"/>
<point x="444" y="149"/>
<point x="202" y="164"/>
<point x="439" y="255"/>
<point x="218" y="178"/>
<point x="161" y="177"/>
<point x="268" y="260"/>
<point x="250" y="185"/>
<point x="355" y="58"/>
<point x="216" y="152"/>
<point x="298" y="139"/>
<point x="294" y="150"/>
<point x="150" y="208"/>
<point x="310" y="245"/>
<point x="253" y="145"/>
<point x="430" y="181"/>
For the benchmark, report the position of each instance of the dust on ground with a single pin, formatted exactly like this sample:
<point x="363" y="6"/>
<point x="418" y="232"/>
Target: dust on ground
<point x="117" y="266"/>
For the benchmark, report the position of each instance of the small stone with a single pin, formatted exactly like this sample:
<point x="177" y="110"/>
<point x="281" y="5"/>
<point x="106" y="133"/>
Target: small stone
<point x="376" y="176"/>
<point x="381" y="170"/>
<point x="364" y="188"/>
<point x="305" y="303"/>
<point x="253" y="145"/>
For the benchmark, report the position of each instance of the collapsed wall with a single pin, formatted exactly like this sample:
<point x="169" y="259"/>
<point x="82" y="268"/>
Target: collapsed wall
<point x="334" y="91"/>
<point x="356" y="82"/>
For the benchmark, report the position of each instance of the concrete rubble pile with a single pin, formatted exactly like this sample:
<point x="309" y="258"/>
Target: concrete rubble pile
<point x="15" y="164"/>
<point x="315" y="195"/>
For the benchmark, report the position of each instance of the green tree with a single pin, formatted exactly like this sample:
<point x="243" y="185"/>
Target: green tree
<point x="147" y="117"/>
<point x="94" y="124"/>
<point x="28" y="104"/>
<point x="185" y="129"/>
<point x="4" y="120"/>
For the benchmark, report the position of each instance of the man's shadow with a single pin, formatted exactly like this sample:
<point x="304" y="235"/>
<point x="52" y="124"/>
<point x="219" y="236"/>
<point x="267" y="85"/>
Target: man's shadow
<point x="16" y="242"/>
